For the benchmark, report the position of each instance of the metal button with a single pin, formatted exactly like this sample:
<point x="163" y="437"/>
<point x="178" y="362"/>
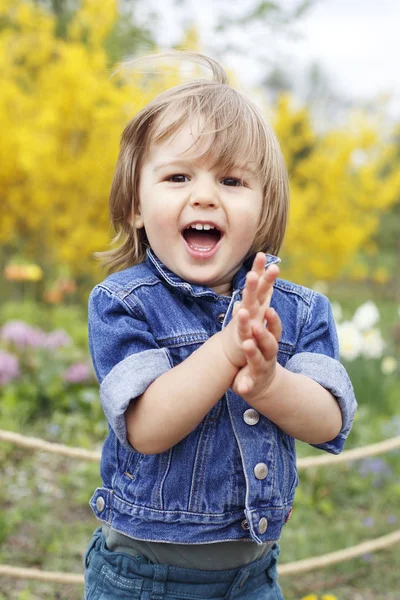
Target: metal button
<point x="261" y="471"/>
<point x="245" y="524"/>
<point x="251" y="416"/>
<point x="100" y="504"/>
<point x="221" y="317"/>
<point x="262" y="525"/>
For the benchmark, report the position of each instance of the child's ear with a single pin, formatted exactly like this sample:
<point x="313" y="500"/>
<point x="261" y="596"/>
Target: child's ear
<point x="137" y="221"/>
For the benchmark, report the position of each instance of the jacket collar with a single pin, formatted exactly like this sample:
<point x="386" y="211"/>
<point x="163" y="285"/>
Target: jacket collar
<point x="192" y="289"/>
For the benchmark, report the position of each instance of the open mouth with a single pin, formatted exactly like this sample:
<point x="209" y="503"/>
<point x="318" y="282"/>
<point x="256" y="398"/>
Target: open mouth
<point x="202" y="237"/>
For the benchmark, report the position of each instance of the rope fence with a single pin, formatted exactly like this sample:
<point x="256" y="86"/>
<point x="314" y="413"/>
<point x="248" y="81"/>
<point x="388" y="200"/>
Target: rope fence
<point x="38" y="575"/>
<point x="292" y="568"/>
<point x="32" y="443"/>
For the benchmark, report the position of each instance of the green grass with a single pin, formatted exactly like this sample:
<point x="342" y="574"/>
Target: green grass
<point x="46" y="522"/>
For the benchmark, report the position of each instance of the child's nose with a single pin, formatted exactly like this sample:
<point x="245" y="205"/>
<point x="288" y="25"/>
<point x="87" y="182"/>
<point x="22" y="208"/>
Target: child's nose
<point x="205" y="196"/>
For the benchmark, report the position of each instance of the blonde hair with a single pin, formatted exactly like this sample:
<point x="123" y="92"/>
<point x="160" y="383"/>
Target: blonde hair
<point x="237" y="134"/>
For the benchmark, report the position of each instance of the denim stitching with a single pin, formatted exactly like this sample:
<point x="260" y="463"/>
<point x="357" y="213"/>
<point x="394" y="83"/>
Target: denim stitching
<point x="286" y="286"/>
<point x="199" y="465"/>
<point x="182" y="512"/>
<point x="210" y="427"/>
<point x="114" y="578"/>
<point x="164" y="478"/>
<point x="162" y="460"/>
<point x="183" y="340"/>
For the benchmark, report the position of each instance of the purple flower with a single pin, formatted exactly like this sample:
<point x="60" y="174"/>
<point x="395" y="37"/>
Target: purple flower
<point x="53" y="429"/>
<point x="57" y="339"/>
<point x="369" y="522"/>
<point x="392" y="519"/>
<point x="9" y="367"/>
<point x="392" y="427"/>
<point x="367" y="557"/>
<point x="77" y="373"/>
<point x="21" y="334"/>
<point x="375" y="466"/>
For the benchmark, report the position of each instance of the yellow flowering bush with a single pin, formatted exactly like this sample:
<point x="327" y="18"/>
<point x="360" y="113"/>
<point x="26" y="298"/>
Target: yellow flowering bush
<point x="62" y="113"/>
<point x="337" y="195"/>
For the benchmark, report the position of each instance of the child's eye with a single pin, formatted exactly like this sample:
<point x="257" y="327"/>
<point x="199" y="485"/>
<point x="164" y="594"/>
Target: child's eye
<point x="178" y="178"/>
<point x="232" y="181"/>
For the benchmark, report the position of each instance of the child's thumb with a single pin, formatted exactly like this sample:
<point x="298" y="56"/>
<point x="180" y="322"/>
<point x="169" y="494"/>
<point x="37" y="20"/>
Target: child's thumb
<point x="236" y="306"/>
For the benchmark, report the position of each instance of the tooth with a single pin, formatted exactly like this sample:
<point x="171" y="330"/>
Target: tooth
<point x="207" y="227"/>
<point x="199" y="226"/>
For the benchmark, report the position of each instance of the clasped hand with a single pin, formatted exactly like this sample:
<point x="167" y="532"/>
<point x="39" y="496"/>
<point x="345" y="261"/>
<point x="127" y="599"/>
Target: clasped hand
<point x="251" y="343"/>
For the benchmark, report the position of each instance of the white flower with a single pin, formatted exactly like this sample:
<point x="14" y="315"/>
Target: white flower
<point x="388" y="365"/>
<point x="366" y="316"/>
<point x="350" y="340"/>
<point x="337" y="312"/>
<point x="358" y="157"/>
<point x="373" y="344"/>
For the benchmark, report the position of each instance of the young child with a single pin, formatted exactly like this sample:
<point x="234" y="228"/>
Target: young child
<point x="209" y="365"/>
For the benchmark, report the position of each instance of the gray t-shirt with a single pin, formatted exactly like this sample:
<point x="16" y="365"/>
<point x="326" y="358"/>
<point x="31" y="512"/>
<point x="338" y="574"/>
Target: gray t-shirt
<point x="214" y="557"/>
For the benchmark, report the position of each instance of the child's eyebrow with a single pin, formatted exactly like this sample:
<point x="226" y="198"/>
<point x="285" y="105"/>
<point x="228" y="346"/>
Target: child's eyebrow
<point x="172" y="163"/>
<point x="186" y="163"/>
<point x="247" y="170"/>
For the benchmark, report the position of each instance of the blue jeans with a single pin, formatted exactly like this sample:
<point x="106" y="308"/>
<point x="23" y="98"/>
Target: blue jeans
<point x="118" y="576"/>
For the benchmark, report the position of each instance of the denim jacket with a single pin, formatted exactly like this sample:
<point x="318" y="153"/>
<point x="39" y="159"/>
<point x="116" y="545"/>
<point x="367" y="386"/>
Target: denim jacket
<point x="234" y="476"/>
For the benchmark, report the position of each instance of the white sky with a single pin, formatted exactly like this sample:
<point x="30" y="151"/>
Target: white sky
<point x="356" y="42"/>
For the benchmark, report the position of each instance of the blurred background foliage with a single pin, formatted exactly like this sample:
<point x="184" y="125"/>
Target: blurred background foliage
<point x="63" y="105"/>
<point x="64" y="111"/>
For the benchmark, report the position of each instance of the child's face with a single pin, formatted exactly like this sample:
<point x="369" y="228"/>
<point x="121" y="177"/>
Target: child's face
<point x="178" y="191"/>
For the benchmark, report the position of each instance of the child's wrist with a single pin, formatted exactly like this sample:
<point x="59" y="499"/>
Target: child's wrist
<point x="236" y="361"/>
<point x="271" y="389"/>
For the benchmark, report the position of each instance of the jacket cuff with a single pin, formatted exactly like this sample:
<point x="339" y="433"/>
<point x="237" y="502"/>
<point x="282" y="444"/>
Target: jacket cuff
<point x="126" y="381"/>
<point x="331" y="375"/>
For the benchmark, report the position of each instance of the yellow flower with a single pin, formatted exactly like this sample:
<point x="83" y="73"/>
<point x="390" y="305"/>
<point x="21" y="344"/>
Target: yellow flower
<point x="33" y="273"/>
<point x="323" y="597"/>
<point x="15" y="272"/>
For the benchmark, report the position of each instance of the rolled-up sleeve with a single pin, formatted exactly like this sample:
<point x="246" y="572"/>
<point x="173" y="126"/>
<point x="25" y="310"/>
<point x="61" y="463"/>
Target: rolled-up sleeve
<point x="317" y="357"/>
<point x="125" y="355"/>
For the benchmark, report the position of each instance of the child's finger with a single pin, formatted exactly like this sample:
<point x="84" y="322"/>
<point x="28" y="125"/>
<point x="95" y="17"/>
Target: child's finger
<point x="274" y="323"/>
<point x="254" y="357"/>
<point x="259" y="263"/>
<point x="244" y="328"/>
<point x="265" y="288"/>
<point x="244" y="385"/>
<point x="236" y="307"/>
<point x="266" y="343"/>
<point x="250" y="290"/>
